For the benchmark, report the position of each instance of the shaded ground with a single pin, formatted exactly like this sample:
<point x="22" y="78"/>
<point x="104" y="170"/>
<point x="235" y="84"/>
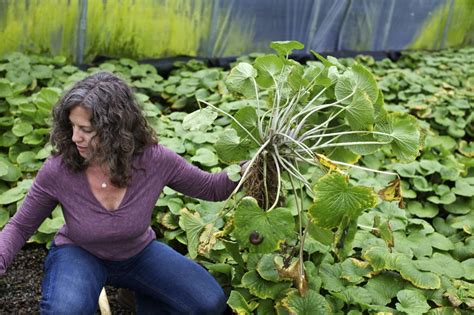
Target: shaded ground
<point x="20" y="288"/>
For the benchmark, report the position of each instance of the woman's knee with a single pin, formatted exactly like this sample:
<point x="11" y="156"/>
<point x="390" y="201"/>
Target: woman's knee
<point x="72" y="282"/>
<point x="68" y="302"/>
<point x="214" y="303"/>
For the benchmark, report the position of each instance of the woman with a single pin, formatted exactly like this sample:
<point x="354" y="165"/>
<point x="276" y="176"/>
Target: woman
<point x="107" y="172"/>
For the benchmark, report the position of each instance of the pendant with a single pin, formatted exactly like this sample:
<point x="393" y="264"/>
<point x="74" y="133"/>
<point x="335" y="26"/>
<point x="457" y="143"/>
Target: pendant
<point x="104" y="185"/>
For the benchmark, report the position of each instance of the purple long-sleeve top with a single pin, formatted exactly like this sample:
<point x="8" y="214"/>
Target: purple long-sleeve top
<point x="111" y="235"/>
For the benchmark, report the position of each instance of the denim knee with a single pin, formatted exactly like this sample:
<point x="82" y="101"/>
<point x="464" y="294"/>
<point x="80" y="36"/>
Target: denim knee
<point x="213" y="304"/>
<point x="72" y="282"/>
<point x="70" y="303"/>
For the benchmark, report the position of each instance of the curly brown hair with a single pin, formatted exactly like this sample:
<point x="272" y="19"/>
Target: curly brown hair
<point x="121" y="129"/>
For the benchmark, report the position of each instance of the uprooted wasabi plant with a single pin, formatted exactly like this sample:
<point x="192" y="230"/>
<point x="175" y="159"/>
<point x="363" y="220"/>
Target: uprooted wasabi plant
<point x="301" y="131"/>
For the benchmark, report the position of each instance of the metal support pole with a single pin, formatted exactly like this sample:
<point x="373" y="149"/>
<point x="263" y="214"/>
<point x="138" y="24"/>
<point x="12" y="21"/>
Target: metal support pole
<point x="81" y="32"/>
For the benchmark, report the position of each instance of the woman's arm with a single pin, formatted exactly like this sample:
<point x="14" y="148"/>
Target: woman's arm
<point x="38" y="205"/>
<point x="192" y="181"/>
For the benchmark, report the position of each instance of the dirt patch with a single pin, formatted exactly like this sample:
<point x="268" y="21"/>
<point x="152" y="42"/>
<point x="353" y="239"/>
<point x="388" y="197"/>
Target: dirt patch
<point x="20" y="288"/>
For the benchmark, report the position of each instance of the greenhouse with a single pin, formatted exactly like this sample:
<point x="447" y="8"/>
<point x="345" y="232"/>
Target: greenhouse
<point x="237" y="157"/>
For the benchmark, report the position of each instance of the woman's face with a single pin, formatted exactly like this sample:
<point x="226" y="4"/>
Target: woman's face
<point x="82" y="130"/>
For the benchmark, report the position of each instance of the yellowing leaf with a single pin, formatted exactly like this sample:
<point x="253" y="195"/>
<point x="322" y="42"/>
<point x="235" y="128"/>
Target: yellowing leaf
<point x="296" y="273"/>
<point x="262" y="288"/>
<point x="193" y="225"/>
<point x="326" y="162"/>
<point x="393" y="192"/>
<point x="239" y="305"/>
<point x="207" y="239"/>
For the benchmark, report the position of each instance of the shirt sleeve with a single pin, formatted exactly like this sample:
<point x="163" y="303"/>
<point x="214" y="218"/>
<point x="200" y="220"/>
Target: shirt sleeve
<point x="37" y="205"/>
<point x="188" y="179"/>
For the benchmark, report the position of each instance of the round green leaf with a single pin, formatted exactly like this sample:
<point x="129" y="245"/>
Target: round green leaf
<point x="13" y="174"/>
<point x="384" y="287"/>
<point x="404" y="135"/>
<point x="360" y="112"/>
<point x="5" y="88"/>
<point x="468" y="266"/>
<point x="461" y="206"/>
<point x="262" y="288"/>
<point x="442" y="265"/>
<point x="142" y="70"/>
<point x="266" y="268"/>
<point x="355" y="295"/>
<point x="440" y="241"/>
<point x="241" y="79"/>
<point x="275" y="226"/>
<point x="331" y="277"/>
<point x="21" y="128"/>
<point x="284" y="48"/>
<point x="268" y="67"/>
<point x="336" y="198"/>
<point x="445" y="199"/>
<point x="47" y="98"/>
<point x="406" y="169"/>
<point x="357" y="78"/>
<point x="426" y="210"/>
<point x="44" y="152"/>
<point x="27" y="161"/>
<point x="3" y="168"/>
<point x="464" y="187"/>
<point x="12" y="195"/>
<point x="247" y="118"/>
<point x="4" y="216"/>
<point x="174" y="204"/>
<point x="175" y="144"/>
<point x="184" y="89"/>
<point x="412" y="302"/>
<point x="266" y="307"/>
<point x="6" y="121"/>
<point x="230" y="148"/>
<point x="41" y="71"/>
<point x="311" y="303"/>
<point x="205" y="157"/>
<point x="201" y="119"/>
<point x="27" y="108"/>
<point x="33" y="138"/>
<point x="421" y="184"/>
<point x="428" y="167"/>
<point x="51" y="225"/>
<point x="200" y="137"/>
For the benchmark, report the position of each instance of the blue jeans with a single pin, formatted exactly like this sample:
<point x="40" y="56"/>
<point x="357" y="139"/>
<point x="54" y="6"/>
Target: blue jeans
<point x="164" y="282"/>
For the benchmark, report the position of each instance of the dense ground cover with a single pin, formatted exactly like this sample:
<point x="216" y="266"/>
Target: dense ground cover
<point x="415" y="259"/>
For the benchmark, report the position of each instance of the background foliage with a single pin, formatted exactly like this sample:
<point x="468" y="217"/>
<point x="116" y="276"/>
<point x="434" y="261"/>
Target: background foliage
<point x="414" y="260"/>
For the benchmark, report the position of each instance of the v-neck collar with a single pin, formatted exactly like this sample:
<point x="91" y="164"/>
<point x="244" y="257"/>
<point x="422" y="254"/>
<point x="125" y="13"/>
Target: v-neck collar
<point x="94" y="198"/>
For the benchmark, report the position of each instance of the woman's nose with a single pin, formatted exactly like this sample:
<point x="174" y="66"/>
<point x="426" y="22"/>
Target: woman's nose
<point x="76" y="135"/>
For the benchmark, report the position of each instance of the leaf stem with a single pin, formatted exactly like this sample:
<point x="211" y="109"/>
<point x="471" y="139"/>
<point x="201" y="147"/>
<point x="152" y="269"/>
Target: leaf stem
<point x="363" y="168"/>
<point x="341" y="144"/>
<point x="235" y="120"/>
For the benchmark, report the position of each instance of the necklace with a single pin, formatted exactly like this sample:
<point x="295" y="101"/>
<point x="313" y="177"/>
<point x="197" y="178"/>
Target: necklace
<point x="100" y="172"/>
